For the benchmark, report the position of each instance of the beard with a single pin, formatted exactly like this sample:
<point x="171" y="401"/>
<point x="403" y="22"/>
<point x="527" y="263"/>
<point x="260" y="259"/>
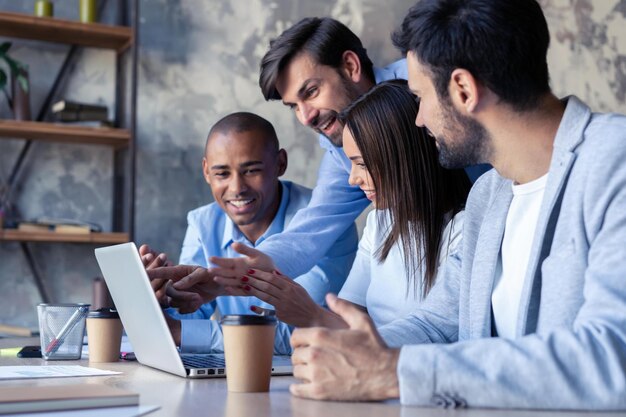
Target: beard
<point x="466" y="141"/>
<point x="348" y="93"/>
<point x="336" y="137"/>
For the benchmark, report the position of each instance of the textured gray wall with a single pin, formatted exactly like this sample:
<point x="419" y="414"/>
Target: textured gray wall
<point x="199" y="61"/>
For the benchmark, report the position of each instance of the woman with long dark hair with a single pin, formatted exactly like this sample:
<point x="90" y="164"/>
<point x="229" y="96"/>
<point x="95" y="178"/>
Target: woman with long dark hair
<point x="416" y="224"/>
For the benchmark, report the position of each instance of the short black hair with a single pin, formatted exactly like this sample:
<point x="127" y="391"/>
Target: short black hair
<point x="503" y="43"/>
<point x="324" y="39"/>
<point x="244" y="122"/>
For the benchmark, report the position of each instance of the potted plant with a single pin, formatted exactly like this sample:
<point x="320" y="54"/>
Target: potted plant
<point x="19" y="100"/>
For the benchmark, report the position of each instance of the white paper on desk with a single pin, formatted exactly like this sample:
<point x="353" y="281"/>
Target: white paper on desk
<point x="130" y="411"/>
<point x="26" y="372"/>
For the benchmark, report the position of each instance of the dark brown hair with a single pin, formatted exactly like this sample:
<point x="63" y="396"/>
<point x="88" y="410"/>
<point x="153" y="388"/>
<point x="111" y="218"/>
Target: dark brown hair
<point x="504" y="44"/>
<point x="324" y="39"/>
<point x="402" y="159"/>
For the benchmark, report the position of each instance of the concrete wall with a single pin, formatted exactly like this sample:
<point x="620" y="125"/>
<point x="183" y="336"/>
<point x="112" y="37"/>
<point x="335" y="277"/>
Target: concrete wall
<point x="199" y="61"/>
<point x="587" y="54"/>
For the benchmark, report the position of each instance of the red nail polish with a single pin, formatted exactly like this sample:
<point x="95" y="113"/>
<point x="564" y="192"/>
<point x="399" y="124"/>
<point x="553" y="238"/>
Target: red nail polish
<point x="244" y="279"/>
<point x="247" y="288"/>
<point x="251" y="271"/>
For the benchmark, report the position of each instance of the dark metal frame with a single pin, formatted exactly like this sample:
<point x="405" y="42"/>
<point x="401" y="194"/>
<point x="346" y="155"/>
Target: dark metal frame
<point x="125" y="159"/>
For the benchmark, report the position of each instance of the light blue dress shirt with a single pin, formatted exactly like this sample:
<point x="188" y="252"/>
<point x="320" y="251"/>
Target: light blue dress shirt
<point x="211" y="232"/>
<point x="334" y="205"/>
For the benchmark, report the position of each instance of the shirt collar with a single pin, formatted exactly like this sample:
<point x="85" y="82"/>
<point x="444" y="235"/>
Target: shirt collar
<point x="233" y="234"/>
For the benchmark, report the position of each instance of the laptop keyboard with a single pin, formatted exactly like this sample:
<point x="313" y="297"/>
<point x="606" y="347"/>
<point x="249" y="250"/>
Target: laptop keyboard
<point x="203" y="361"/>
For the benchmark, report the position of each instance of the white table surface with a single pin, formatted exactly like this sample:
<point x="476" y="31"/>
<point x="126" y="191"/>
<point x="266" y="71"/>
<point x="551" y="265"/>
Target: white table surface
<point x="209" y="397"/>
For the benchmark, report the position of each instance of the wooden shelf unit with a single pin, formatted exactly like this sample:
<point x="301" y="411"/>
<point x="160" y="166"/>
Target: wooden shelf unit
<point x="122" y="40"/>
<point x="95" y="35"/>
<point x="22" y="236"/>
<point x="57" y="132"/>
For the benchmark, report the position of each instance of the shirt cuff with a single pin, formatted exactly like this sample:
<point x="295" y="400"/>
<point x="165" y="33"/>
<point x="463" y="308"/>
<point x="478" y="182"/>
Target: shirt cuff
<point x="416" y="375"/>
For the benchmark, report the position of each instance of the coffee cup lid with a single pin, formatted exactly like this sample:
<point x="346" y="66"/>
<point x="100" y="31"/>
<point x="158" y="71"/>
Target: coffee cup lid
<point x="103" y="313"/>
<point x="247" y="320"/>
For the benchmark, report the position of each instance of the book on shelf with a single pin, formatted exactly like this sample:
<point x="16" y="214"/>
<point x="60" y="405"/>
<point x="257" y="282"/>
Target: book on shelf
<point x="34" y="227"/>
<point x="49" y="224"/>
<point x="57" y="221"/>
<point x="63" y="397"/>
<point x="72" y="229"/>
<point x="73" y="111"/>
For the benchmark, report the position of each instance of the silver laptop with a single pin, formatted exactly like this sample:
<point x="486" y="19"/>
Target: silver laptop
<point x="145" y="325"/>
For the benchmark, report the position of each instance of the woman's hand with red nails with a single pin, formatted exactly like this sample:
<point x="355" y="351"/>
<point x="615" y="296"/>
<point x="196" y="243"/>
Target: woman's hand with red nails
<point x="291" y="301"/>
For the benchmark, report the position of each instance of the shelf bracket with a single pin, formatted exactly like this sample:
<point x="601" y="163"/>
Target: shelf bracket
<point x="39" y="282"/>
<point x="69" y="60"/>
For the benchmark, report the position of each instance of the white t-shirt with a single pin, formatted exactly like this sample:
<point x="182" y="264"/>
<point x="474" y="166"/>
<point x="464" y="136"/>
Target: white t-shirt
<point x="521" y="222"/>
<point x="383" y="288"/>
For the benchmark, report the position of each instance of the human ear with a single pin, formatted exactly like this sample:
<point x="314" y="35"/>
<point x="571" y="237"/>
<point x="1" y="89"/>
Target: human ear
<point x="351" y="66"/>
<point x="281" y="162"/>
<point x="205" y="171"/>
<point x="464" y="90"/>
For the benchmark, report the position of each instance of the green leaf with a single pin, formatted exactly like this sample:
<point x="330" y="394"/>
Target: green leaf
<point x="4" y="48"/>
<point x="3" y="79"/>
<point x="13" y="64"/>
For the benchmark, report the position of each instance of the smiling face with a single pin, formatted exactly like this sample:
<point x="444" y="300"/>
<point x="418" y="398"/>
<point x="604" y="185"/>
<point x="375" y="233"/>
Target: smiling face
<point x="461" y="140"/>
<point x="359" y="175"/>
<point x="317" y="93"/>
<point x="242" y="169"/>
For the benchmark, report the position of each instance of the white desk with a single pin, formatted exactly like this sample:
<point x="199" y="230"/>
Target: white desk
<point x="209" y="397"/>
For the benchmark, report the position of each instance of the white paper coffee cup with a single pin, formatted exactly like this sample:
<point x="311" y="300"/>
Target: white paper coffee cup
<point x="104" y="335"/>
<point x="248" y="347"/>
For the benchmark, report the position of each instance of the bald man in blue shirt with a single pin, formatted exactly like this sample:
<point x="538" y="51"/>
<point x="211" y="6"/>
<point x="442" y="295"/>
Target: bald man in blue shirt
<point x="242" y="165"/>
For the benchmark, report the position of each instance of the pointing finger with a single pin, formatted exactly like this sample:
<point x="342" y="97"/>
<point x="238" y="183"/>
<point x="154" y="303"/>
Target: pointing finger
<point x="198" y="276"/>
<point x="175" y="273"/>
<point x="229" y="267"/>
<point x="246" y="250"/>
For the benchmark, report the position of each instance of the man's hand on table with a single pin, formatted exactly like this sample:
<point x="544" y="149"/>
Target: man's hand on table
<point x="352" y="365"/>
